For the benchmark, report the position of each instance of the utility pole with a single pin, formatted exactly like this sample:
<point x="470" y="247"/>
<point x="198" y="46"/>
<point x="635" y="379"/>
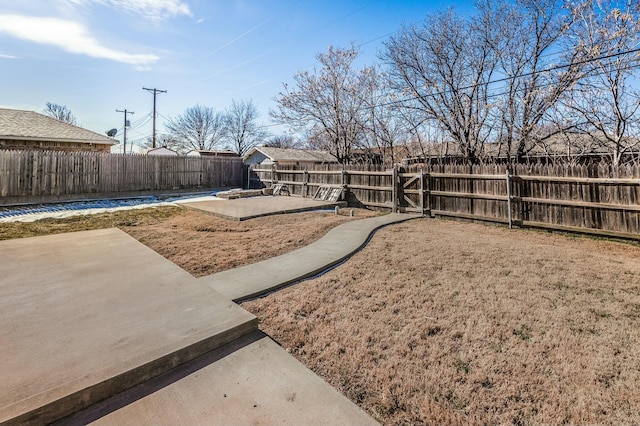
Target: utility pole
<point x="155" y="92"/>
<point x="124" y="147"/>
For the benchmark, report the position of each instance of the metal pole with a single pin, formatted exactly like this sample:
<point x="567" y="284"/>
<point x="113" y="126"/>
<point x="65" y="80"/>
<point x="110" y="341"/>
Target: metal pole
<point x="124" y="146"/>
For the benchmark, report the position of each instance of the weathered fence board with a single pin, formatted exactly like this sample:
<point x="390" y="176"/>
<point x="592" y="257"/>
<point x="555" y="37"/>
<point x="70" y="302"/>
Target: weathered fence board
<point x="599" y="199"/>
<point x="54" y="174"/>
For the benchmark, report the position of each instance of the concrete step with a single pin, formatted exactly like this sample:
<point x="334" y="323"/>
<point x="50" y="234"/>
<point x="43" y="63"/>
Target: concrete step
<point x="249" y="381"/>
<point x="88" y="315"/>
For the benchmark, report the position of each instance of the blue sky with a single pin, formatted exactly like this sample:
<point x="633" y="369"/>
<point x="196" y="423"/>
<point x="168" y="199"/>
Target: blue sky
<point x="95" y="56"/>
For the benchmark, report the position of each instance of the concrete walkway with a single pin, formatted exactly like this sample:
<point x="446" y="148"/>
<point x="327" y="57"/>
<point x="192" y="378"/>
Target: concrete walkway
<point x="336" y="246"/>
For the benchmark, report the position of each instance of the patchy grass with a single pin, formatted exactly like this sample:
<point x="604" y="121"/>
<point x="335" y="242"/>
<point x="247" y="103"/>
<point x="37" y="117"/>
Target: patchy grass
<point x="443" y="322"/>
<point x="204" y="244"/>
<point x="198" y="242"/>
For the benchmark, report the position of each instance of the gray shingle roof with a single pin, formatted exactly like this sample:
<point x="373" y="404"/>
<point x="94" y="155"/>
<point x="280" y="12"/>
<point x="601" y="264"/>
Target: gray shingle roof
<point x="29" y="125"/>
<point x="286" y="154"/>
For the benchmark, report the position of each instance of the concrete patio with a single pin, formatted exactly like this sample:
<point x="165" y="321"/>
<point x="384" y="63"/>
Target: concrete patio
<point x="249" y="208"/>
<point x="86" y="315"/>
<point x="98" y="327"/>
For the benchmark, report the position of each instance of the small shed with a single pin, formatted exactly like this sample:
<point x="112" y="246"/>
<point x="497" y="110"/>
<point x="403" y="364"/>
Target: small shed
<point x="266" y="156"/>
<point x="163" y="150"/>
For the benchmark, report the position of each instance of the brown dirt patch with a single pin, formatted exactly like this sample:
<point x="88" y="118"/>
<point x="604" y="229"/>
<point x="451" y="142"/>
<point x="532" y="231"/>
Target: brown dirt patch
<point x="441" y="322"/>
<point x="203" y="244"/>
<point x="198" y="242"/>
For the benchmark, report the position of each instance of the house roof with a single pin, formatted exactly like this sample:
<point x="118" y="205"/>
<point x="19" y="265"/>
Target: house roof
<point x="214" y="153"/>
<point x="161" y="150"/>
<point x="288" y="154"/>
<point x="28" y="125"/>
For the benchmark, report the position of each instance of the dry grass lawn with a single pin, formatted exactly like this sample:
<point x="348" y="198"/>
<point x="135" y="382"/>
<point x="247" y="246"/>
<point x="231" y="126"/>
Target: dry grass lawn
<point x="434" y="322"/>
<point x="442" y="322"/>
<point x="198" y="242"/>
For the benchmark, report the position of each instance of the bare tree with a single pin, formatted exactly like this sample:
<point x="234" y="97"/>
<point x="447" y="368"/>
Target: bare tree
<point x="607" y="99"/>
<point x="284" y="141"/>
<point x="242" y="131"/>
<point x="534" y="32"/>
<point x="60" y="112"/>
<point x="442" y="69"/>
<point x="385" y="129"/>
<point x="198" y="128"/>
<point x="326" y="103"/>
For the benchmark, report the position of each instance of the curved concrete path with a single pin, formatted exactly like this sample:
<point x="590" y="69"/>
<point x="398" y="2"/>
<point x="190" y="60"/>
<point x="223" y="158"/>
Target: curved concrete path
<point x="263" y="277"/>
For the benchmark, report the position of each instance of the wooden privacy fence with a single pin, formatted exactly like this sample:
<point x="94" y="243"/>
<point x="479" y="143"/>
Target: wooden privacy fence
<point x="594" y="199"/>
<point x="42" y="175"/>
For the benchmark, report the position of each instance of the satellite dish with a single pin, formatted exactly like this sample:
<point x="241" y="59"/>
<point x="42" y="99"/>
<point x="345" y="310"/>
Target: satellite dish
<point x="111" y="133"/>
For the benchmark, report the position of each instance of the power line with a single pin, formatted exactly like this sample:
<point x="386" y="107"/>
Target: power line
<point x="283" y="45"/>
<point x="504" y="79"/>
<point x="593" y="73"/>
<point x="141" y="122"/>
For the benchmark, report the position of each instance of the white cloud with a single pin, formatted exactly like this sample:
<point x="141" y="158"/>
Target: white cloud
<point x="3" y="56"/>
<point x="154" y="10"/>
<point x="69" y="36"/>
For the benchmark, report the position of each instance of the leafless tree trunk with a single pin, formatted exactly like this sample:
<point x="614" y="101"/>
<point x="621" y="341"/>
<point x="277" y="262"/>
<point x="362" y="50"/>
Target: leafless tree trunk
<point x="199" y="128"/>
<point x="242" y="131"/>
<point x="533" y="32"/>
<point x="326" y="102"/>
<point x="442" y="68"/>
<point x="385" y="130"/>
<point x="607" y="100"/>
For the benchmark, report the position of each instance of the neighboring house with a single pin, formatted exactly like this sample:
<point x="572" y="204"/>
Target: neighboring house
<point x="163" y="150"/>
<point x="266" y="156"/>
<point x="204" y="153"/>
<point x="24" y="130"/>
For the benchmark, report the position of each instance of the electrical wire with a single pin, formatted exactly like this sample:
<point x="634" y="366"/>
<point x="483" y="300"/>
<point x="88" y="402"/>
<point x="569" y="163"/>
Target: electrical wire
<point x="506" y="79"/>
<point x="283" y="46"/>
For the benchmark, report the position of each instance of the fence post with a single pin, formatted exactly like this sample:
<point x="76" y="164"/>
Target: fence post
<point x="305" y="183"/>
<point x="394" y="186"/>
<point x="345" y="183"/>
<point x="429" y="198"/>
<point x="274" y="174"/>
<point x="421" y="192"/>
<point x="509" y="198"/>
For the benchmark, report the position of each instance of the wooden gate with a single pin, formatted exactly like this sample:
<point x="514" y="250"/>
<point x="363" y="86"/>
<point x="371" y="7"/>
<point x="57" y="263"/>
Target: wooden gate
<point x="412" y="192"/>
